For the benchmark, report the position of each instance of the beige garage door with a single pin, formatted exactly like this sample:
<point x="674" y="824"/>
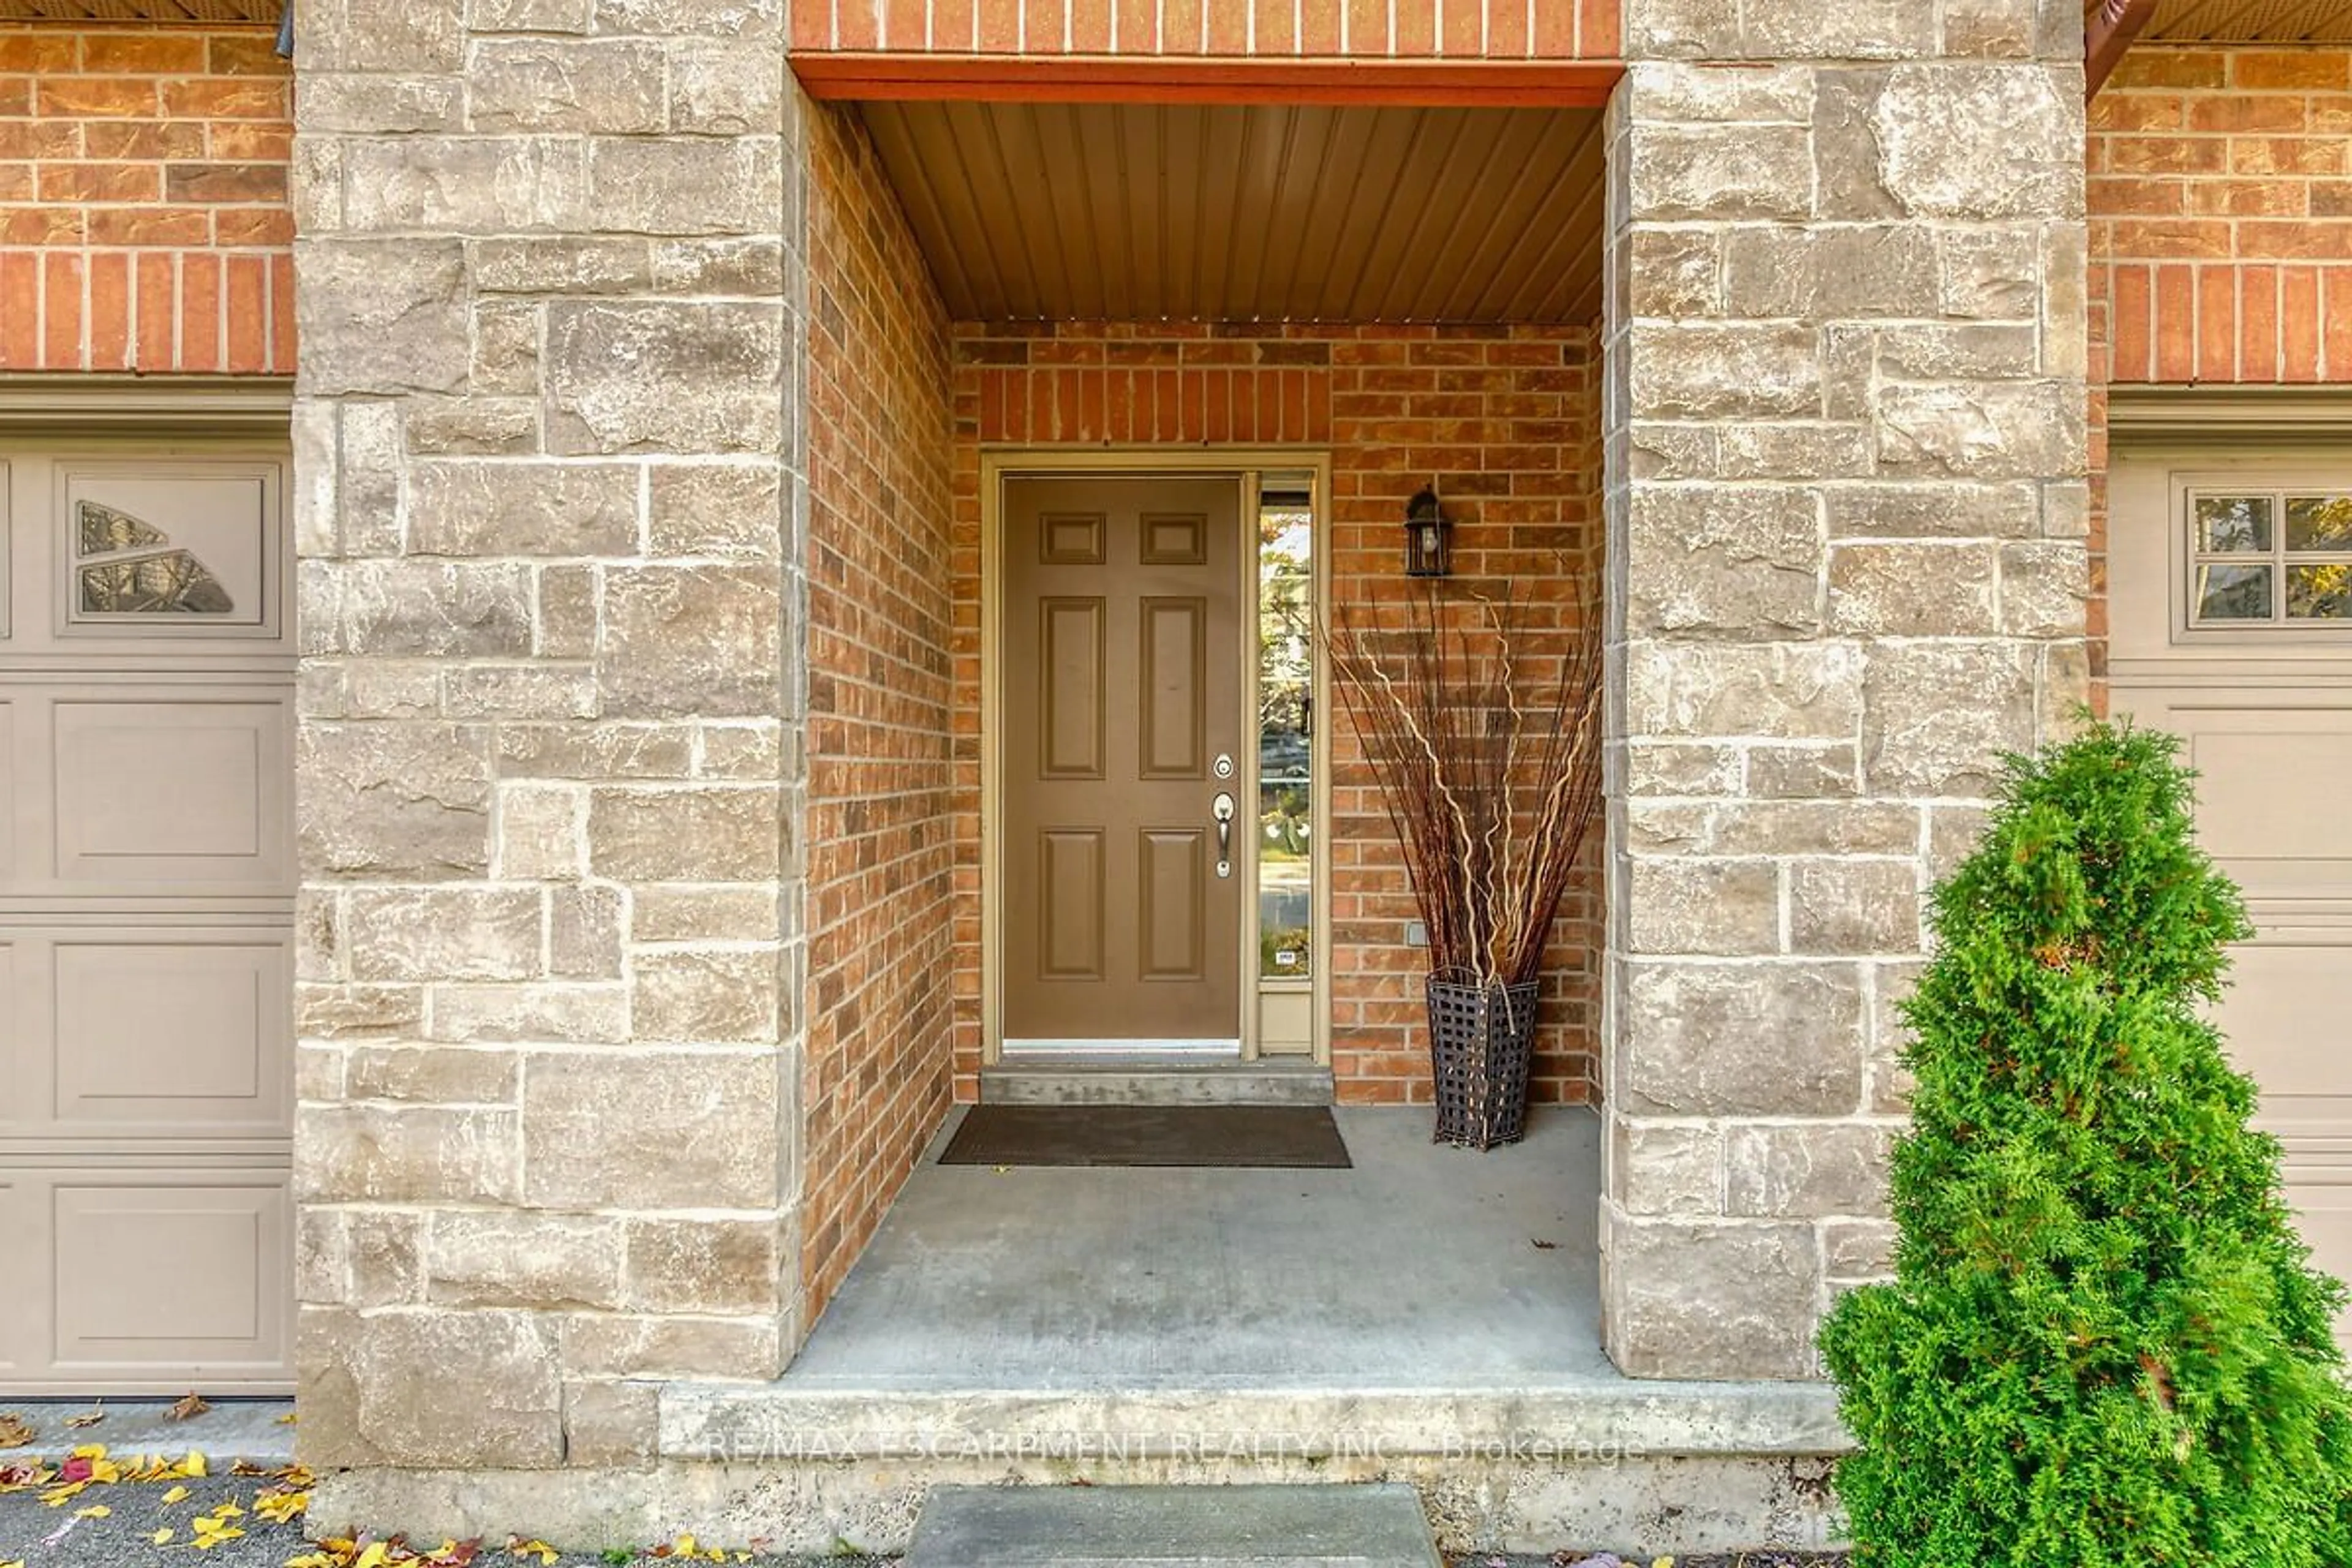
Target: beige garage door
<point x="146" y="884"/>
<point x="2231" y="603"/>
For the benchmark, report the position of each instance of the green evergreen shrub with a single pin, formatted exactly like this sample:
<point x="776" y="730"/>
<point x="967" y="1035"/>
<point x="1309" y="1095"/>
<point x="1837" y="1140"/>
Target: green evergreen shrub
<point x="2104" y="1342"/>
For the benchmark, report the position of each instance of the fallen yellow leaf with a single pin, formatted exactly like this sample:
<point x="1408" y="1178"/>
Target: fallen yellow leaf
<point x="87" y="1418"/>
<point x="311" y="1560"/>
<point x="279" y="1507"/>
<point x="19" y="1563"/>
<point x="289" y="1419"/>
<point x="684" y="1547"/>
<point x="229" y="1511"/>
<point x="193" y="1466"/>
<point x="539" y="1549"/>
<point x="373" y="1557"/>
<point x="95" y="1511"/>
<point x="177" y="1494"/>
<point x="15" y="1433"/>
<point x="161" y="1537"/>
<point x="206" y="1541"/>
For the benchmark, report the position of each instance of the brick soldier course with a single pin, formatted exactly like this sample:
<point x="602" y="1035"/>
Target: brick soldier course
<point x="635" y="487"/>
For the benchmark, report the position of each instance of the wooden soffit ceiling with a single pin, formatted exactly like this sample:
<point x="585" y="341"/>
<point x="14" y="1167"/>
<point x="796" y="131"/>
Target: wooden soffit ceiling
<point x="216" y="13"/>
<point x="1251" y="212"/>
<point x="2251" y="22"/>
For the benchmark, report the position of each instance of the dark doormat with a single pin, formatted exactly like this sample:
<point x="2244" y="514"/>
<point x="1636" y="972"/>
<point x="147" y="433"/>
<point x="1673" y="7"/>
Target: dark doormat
<point x="1293" y="1137"/>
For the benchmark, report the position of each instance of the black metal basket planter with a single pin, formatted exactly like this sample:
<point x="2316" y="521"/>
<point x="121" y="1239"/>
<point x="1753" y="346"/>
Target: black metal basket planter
<point x="1480" y="1042"/>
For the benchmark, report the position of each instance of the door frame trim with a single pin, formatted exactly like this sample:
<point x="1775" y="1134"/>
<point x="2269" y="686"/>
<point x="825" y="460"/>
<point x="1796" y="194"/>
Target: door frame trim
<point x="1245" y="464"/>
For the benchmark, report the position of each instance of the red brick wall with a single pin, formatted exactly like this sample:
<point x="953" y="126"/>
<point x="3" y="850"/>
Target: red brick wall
<point x="1360" y="29"/>
<point x="2220" y="199"/>
<point x="143" y="224"/>
<point x="1506" y="420"/>
<point x="879" y="846"/>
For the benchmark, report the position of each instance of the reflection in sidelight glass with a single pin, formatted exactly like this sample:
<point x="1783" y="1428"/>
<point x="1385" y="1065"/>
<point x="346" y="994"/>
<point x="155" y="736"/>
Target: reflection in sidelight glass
<point x="1286" y="704"/>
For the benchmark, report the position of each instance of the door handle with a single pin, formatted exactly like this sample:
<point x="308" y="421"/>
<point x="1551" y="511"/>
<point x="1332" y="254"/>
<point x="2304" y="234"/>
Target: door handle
<point x="1222" y="808"/>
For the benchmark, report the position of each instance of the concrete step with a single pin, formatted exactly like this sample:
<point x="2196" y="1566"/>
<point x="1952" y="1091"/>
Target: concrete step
<point x="1172" y="1527"/>
<point x="1047" y="1079"/>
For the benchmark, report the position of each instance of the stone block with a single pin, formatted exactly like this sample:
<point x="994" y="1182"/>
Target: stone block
<point x="1674" y="274"/>
<point x="465" y="185"/>
<point x="2044" y="588"/>
<point x="470" y="426"/>
<point x="1763" y="827"/>
<point x="505" y="348"/>
<point x="1773" y="690"/>
<point x="1913" y="590"/>
<point x="1938" y="716"/>
<point x="1738" y="1039"/>
<point x="1674" y="29"/>
<point x="572" y="264"/>
<point x="1742" y="94"/>
<point x="692" y="640"/>
<point x="1831" y="274"/>
<point x="1981" y="140"/>
<point x="319" y="1070"/>
<point x="730" y="511"/>
<point x="1720" y="561"/>
<point x="405" y="1155"/>
<point x="564" y="84"/>
<point x="388" y="35"/>
<point x="1845" y="30"/>
<point x="1807" y="1171"/>
<point x="1718" y="172"/>
<point x="687" y="995"/>
<point x="429" y="1388"/>
<point x="579" y="1013"/>
<point x="542" y="833"/>
<point x="1959" y="350"/>
<point x="1989" y="274"/>
<point x="1685" y="1298"/>
<point x="726" y="90"/>
<point x="339" y="1012"/>
<point x="444" y="933"/>
<point x="721" y="264"/>
<point x="527" y="15"/>
<point x="1700" y="906"/>
<point x="703" y="1266"/>
<point x="746" y="23"/>
<point x="705" y="914"/>
<point x="385" y="315"/>
<point x="1854" y="906"/>
<point x="1848" y="184"/>
<point x="650" y="1130"/>
<point x="420" y="608"/>
<point x="686" y="184"/>
<point x="523" y="508"/>
<point x="1667" y="768"/>
<point x="527" y="1259"/>
<point x="1810" y="452"/>
<point x="611" y="1425"/>
<point x="520" y="692"/>
<point x="702" y="833"/>
<point x="432" y="1075"/>
<point x="1984" y="430"/>
<point x="1858" y="1249"/>
<point x="364" y="103"/>
<point x="1950" y="510"/>
<point x="608" y="751"/>
<point x="2009" y="29"/>
<point x="1890" y="1082"/>
<point x="1667" y="1167"/>
<point x="1707" y="370"/>
<point x="567" y="611"/>
<point x="407" y="800"/>
<point x="584" y="932"/>
<point x="604" y="1344"/>
<point x="665" y="377"/>
<point x="1819" y="772"/>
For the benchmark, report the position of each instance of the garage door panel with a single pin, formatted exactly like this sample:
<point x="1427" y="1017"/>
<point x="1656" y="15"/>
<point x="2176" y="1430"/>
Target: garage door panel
<point x="171" y="1269"/>
<point x="146" y="895"/>
<point x="188" y="792"/>
<point x="190" y="1035"/>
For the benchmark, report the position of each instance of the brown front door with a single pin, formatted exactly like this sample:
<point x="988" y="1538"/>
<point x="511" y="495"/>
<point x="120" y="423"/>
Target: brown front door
<point x="1123" y="736"/>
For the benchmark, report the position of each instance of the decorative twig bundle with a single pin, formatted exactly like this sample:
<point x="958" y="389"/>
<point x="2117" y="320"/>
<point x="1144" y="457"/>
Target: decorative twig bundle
<point x="1483" y="731"/>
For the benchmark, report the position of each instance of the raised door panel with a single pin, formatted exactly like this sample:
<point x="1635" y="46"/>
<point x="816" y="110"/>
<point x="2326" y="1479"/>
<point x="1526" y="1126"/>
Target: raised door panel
<point x="1071" y="690"/>
<point x="193" y="793"/>
<point x="1070" y="908"/>
<point x="1173" y="688"/>
<point x="193" y="1035"/>
<point x="1173" y="945"/>
<point x="223" y="1242"/>
<point x="21" y="1267"/>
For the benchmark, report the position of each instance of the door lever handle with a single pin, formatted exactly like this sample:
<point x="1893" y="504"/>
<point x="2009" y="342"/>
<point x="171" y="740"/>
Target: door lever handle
<point x="1222" y="808"/>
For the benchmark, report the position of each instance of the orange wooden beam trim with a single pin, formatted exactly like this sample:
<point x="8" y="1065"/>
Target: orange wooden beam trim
<point x="2113" y="29"/>
<point x="1088" y="78"/>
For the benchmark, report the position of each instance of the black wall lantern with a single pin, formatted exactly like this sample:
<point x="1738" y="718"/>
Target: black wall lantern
<point x="1428" y="547"/>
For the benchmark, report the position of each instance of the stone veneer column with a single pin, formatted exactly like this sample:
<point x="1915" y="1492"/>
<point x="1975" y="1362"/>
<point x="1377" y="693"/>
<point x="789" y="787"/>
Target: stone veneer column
<point x="1846" y="514"/>
<point x="548" y="513"/>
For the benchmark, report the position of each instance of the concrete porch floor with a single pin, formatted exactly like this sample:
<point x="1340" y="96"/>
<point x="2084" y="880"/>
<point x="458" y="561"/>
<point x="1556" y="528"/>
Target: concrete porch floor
<point x="1423" y="1266"/>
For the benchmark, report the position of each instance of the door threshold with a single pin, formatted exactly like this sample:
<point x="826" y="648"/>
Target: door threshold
<point x="1153" y="1079"/>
